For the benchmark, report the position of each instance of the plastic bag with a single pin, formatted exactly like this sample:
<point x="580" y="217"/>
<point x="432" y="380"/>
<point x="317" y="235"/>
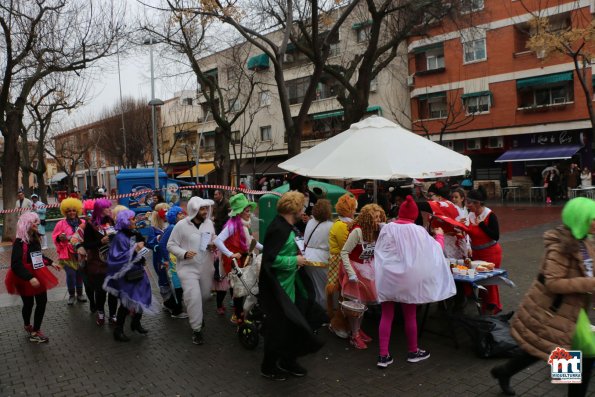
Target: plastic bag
<point x="583" y="338"/>
<point x="247" y="283"/>
<point x="490" y="335"/>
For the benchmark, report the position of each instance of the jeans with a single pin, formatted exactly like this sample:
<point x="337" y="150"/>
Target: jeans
<point x="74" y="280"/>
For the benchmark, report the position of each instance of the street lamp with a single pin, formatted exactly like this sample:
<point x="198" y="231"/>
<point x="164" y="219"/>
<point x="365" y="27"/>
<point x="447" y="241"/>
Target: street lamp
<point x="153" y="103"/>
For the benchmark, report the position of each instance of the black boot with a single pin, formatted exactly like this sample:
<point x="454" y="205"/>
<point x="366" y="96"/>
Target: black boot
<point x="137" y="326"/>
<point x="503" y="380"/>
<point x="119" y="335"/>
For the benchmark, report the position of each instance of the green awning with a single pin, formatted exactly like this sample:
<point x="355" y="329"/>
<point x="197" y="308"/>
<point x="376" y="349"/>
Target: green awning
<point x="374" y="108"/>
<point x="208" y="133"/>
<point x="476" y="94"/>
<point x="212" y="72"/>
<point x="432" y="95"/>
<point x="542" y="80"/>
<point x="326" y="115"/>
<point x="258" y="62"/>
<point x="359" y="25"/>
<point x="428" y="47"/>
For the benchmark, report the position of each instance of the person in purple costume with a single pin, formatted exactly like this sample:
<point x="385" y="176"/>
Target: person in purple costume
<point x="126" y="278"/>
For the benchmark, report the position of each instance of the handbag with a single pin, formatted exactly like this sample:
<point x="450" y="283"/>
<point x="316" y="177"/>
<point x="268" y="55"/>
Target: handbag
<point x="134" y="275"/>
<point x="584" y="338"/>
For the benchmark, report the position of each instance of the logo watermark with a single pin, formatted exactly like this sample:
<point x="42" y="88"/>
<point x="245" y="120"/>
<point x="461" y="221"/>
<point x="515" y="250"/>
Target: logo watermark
<point x="567" y="365"/>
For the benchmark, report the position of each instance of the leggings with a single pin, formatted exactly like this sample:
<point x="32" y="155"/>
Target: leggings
<point x="99" y="295"/>
<point x="386" y="322"/>
<point x="40" y="300"/>
<point x="74" y="280"/>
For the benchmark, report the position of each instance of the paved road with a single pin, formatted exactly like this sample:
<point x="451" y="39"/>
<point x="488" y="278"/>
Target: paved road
<point x="82" y="359"/>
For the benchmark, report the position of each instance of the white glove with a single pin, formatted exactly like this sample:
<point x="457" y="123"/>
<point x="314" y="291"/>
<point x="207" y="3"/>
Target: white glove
<point x="353" y="278"/>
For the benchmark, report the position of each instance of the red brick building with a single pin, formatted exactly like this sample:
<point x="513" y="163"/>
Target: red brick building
<point x="494" y="99"/>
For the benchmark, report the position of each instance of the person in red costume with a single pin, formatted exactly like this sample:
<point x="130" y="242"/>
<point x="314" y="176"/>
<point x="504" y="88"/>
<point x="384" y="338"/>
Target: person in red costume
<point x="484" y="233"/>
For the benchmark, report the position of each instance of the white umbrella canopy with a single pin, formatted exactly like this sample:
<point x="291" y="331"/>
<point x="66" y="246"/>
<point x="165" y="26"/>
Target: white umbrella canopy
<point x="377" y="148"/>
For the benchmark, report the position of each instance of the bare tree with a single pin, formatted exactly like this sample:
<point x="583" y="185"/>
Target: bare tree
<point x="225" y="99"/>
<point x="41" y="38"/>
<point x="72" y="150"/>
<point x="570" y="38"/>
<point x="55" y="94"/>
<point x="137" y="124"/>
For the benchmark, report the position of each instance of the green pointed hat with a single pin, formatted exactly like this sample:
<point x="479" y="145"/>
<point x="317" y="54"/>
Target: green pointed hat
<point x="238" y="203"/>
<point x="577" y="216"/>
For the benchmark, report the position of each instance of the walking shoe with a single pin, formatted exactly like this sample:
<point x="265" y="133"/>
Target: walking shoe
<point x="113" y="320"/>
<point x="233" y="319"/>
<point x="339" y="332"/>
<point x="384" y="361"/>
<point x="357" y="342"/>
<point x="165" y="308"/>
<point x="81" y="299"/>
<point x="221" y="311"/>
<point x="418" y="356"/>
<point x="503" y="380"/>
<point x="100" y="319"/>
<point x="28" y="329"/>
<point x="293" y="368"/>
<point x="180" y="315"/>
<point x="38" y="337"/>
<point x="274" y="374"/>
<point x="197" y="338"/>
<point x="120" y="336"/>
<point x="71" y="300"/>
<point x="365" y="337"/>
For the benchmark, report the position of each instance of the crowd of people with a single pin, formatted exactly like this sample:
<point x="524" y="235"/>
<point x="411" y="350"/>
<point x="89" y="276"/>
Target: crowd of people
<point x="315" y="271"/>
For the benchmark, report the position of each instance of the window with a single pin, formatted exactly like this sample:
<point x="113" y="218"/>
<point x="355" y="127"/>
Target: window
<point x="187" y="101"/>
<point x="207" y="114"/>
<point x="234" y="105"/>
<point x="429" y="58"/>
<point x="434" y="61"/>
<point x="266" y="133"/>
<point x="264" y="98"/>
<point x="333" y="41"/>
<point x="474" y="50"/>
<point x="297" y="89"/>
<point x="472" y="5"/>
<point x="477" y="104"/>
<point x="363" y="33"/>
<point x="235" y="137"/>
<point x="374" y="84"/>
<point x="433" y="106"/>
<point x="327" y="88"/>
<point x="546" y="95"/>
<point x="522" y="34"/>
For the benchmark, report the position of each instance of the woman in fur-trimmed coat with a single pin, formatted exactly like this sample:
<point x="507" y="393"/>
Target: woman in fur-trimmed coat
<point x="547" y="315"/>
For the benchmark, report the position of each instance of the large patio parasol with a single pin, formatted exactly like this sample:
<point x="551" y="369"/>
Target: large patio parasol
<point x="377" y="148"/>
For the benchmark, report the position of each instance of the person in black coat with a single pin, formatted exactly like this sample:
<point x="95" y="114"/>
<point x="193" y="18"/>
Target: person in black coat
<point x="286" y="295"/>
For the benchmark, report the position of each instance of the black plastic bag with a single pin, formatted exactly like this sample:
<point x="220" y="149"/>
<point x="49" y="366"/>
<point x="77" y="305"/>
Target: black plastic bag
<point x="490" y="335"/>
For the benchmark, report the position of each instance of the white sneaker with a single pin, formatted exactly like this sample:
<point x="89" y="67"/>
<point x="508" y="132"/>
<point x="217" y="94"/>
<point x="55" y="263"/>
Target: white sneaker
<point x="418" y="356"/>
<point x="181" y="315"/>
<point x="340" y="333"/>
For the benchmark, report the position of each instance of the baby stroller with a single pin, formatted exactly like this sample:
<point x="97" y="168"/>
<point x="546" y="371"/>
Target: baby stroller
<point x="245" y="284"/>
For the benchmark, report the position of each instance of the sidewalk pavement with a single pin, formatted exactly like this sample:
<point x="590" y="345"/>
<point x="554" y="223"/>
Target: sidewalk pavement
<point x="82" y="359"/>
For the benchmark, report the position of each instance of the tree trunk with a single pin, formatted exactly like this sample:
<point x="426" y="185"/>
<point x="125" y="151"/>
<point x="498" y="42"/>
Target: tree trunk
<point x="10" y="175"/>
<point x="42" y="187"/>
<point x="25" y="176"/>
<point x="222" y="158"/>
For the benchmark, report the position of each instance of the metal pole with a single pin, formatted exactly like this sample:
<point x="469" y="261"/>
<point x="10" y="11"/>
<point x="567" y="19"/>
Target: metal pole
<point x="154" y="122"/>
<point x="122" y="108"/>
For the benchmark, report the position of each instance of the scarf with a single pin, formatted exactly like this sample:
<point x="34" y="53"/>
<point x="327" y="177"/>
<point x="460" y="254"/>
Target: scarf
<point x="73" y="223"/>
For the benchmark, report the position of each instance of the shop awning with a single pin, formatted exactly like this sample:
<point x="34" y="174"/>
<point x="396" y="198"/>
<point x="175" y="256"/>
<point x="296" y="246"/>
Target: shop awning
<point x="258" y="62"/>
<point x="203" y="168"/>
<point x="542" y="80"/>
<point x="58" y="177"/>
<point x="534" y="153"/>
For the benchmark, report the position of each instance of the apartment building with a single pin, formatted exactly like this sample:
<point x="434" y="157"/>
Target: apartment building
<point x="495" y="100"/>
<point x="259" y="139"/>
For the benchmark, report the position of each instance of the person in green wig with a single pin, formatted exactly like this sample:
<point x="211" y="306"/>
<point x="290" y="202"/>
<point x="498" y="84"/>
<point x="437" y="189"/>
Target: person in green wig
<point x="234" y="243"/>
<point x="547" y="316"/>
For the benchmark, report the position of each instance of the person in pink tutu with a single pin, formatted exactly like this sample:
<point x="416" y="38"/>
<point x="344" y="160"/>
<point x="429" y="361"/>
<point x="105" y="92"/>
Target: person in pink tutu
<point x="357" y="273"/>
<point x="29" y="275"/>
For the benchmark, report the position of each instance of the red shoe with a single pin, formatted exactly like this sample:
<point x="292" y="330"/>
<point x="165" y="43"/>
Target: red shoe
<point x="28" y="329"/>
<point x="357" y="342"/>
<point x="221" y="311"/>
<point x="365" y="337"/>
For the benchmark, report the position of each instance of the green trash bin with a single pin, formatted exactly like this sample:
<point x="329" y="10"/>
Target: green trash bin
<point x="267" y="204"/>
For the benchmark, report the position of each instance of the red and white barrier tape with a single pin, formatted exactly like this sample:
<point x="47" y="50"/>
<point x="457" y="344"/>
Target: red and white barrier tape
<point x="119" y="196"/>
